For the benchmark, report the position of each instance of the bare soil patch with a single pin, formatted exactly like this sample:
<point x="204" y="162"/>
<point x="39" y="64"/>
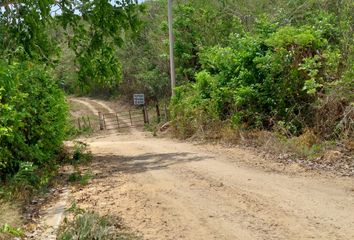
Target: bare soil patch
<point x="166" y="189"/>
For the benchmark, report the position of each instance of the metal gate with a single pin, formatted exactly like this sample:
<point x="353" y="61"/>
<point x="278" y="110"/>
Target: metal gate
<point x="121" y="120"/>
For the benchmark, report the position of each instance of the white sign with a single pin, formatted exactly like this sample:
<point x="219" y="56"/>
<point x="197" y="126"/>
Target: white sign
<point x="139" y="99"/>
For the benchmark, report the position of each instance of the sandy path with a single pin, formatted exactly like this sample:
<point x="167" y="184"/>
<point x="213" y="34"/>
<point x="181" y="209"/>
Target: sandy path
<point x="87" y="104"/>
<point x="103" y="105"/>
<point x="166" y="189"/>
<point x="100" y="106"/>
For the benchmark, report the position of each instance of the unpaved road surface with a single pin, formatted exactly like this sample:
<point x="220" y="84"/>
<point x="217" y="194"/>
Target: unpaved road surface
<point x="166" y="189"/>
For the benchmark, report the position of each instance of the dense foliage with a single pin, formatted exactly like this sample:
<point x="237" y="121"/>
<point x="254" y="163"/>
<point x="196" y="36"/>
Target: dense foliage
<point x="33" y="114"/>
<point x="33" y="34"/>
<point x="197" y="24"/>
<point x="250" y="64"/>
<point x="261" y="80"/>
<point x="246" y="64"/>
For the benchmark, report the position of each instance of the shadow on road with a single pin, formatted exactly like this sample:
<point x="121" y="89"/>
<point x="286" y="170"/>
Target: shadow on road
<point x="113" y="164"/>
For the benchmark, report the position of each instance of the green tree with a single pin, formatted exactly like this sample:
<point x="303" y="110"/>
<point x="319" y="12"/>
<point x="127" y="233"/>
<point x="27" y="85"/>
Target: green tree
<point x="33" y="110"/>
<point x="33" y="116"/>
<point x="94" y="31"/>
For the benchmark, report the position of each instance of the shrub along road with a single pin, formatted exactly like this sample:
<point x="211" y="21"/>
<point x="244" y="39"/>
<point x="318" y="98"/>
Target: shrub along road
<point x="166" y="189"/>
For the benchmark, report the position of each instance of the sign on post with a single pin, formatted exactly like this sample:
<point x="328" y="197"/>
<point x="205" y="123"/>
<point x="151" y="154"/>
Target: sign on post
<point x="139" y="99"/>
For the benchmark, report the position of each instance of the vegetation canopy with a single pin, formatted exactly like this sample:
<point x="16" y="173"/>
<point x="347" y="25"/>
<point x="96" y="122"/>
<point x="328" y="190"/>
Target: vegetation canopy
<point x="284" y="66"/>
<point x="33" y="37"/>
<point x="249" y="65"/>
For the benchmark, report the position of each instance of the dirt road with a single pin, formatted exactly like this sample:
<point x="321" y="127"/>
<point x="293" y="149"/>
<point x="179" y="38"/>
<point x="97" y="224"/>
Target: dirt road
<point x="166" y="189"/>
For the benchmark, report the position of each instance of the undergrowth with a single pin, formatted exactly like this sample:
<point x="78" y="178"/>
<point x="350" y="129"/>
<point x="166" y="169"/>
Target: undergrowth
<point x="31" y="181"/>
<point x="306" y="146"/>
<point x="292" y="81"/>
<point x="75" y="132"/>
<point x="82" y="225"/>
<point x="80" y="177"/>
<point x="28" y="181"/>
<point x="80" y="157"/>
<point x="10" y="221"/>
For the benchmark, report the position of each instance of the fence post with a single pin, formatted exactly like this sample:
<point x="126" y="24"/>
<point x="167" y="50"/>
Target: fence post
<point x="78" y="121"/>
<point x="131" y="121"/>
<point x="89" y="122"/>
<point x="158" y="112"/>
<point x="147" y="114"/>
<point x="104" y="122"/>
<point x="100" y="119"/>
<point x="84" y="121"/>
<point x="117" y="120"/>
<point x="144" y="115"/>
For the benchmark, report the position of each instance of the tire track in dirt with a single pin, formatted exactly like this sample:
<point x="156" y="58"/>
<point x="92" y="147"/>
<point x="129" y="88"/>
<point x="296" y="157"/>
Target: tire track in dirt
<point x="170" y="190"/>
<point x="100" y="106"/>
<point x="250" y="189"/>
<point x="85" y="103"/>
<point x="243" y="205"/>
<point x="256" y="211"/>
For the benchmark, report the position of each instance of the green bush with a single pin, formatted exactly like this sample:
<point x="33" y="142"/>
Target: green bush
<point x="275" y="75"/>
<point x="33" y="117"/>
<point x="78" y="177"/>
<point x="80" y="155"/>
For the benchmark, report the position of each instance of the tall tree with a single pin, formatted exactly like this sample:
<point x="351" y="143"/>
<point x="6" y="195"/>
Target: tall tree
<point x="94" y="29"/>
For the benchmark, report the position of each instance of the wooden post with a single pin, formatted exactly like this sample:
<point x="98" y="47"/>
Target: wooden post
<point x="131" y="121"/>
<point x="166" y="112"/>
<point x="117" y="120"/>
<point x="144" y="115"/>
<point x="89" y="122"/>
<point x="78" y="121"/>
<point x="104" y="122"/>
<point x="100" y="119"/>
<point x="84" y="121"/>
<point x="158" y="112"/>
<point x="147" y="115"/>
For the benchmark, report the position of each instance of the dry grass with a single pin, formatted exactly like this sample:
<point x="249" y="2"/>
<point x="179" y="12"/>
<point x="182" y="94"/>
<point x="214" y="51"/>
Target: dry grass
<point x="9" y="214"/>
<point x="83" y="225"/>
<point x="309" y="149"/>
<point x="334" y="116"/>
<point x="307" y="145"/>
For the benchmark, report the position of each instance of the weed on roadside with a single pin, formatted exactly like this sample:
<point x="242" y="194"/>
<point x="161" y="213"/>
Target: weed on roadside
<point x="75" y="132"/>
<point x="79" y="177"/>
<point x="83" y="225"/>
<point x="10" y="221"/>
<point x="28" y="181"/>
<point x="80" y="155"/>
<point x="9" y="230"/>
